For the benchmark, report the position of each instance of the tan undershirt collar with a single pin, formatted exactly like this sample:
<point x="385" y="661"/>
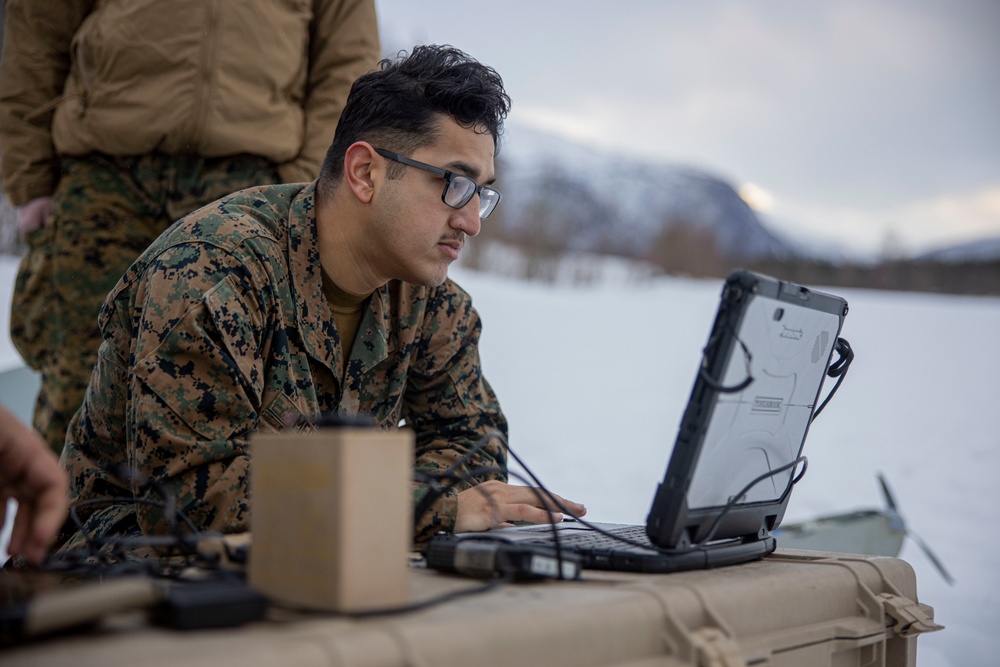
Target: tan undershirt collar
<point x="347" y="310"/>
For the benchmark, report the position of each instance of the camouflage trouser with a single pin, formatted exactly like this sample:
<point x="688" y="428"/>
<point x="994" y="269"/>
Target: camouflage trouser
<point x="105" y="212"/>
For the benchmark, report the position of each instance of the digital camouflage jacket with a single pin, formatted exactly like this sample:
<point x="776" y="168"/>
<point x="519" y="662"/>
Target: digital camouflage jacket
<point x="221" y="328"/>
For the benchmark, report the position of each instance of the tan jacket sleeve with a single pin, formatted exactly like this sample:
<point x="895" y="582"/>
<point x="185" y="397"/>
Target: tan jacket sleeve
<point x="36" y="60"/>
<point x="343" y="45"/>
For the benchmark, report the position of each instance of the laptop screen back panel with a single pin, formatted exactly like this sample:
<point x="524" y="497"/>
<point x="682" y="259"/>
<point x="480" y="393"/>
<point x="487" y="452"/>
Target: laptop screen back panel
<point x="782" y="336"/>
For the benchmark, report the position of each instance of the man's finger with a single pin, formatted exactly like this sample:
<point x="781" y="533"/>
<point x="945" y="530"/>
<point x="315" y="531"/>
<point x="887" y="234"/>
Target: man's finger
<point x="19" y="536"/>
<point x="492" y="504"/>
<point x="530" y="513"/>
<point x="540" y="498"/>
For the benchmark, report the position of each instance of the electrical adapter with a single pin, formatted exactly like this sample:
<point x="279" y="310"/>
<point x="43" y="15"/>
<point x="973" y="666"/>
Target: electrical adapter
<point x="483" y="556"/>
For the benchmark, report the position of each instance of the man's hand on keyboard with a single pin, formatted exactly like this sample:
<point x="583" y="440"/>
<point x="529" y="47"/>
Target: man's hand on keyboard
<point x="495" y="504"/>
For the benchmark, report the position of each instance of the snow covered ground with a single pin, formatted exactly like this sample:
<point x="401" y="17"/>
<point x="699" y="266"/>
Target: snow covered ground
<point x="594" y="379"/>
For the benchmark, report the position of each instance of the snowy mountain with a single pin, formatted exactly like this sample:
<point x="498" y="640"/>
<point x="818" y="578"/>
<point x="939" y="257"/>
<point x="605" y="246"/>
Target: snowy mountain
<point x="985" y="250"/>
<point x="585" y="199"/>
<point x="598" y="201"/>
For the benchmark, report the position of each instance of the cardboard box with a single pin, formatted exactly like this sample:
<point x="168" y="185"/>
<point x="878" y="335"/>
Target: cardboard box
<point x="331" y="517"/>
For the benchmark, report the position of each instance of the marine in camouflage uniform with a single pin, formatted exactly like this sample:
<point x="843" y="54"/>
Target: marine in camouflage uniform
<point x="222" y="328"/>
<point x="237" y="320"/>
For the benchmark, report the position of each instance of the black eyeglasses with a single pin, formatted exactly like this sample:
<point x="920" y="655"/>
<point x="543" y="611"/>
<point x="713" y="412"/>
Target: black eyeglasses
<point x="458" y="189"/>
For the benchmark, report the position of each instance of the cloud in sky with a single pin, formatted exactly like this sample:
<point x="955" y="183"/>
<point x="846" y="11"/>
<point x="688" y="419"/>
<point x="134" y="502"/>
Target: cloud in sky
<point x="853" y="115"/>
<point x="912" y="226"/>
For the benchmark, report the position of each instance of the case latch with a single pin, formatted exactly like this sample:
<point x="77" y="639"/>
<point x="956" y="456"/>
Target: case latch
<point x="910" y="619"/>
<point x="713" y="648"/>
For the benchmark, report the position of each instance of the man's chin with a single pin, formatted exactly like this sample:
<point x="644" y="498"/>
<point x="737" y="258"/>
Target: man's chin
<point x="431" y="280"/>
<point x="437" y="282"/>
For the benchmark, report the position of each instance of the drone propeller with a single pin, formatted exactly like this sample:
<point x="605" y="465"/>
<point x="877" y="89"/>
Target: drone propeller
<point x="890" y="502"/>
<point x="886" y="493"/>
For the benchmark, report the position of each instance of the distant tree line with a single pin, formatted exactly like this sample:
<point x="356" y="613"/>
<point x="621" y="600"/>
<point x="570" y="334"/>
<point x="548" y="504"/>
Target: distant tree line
<point x="687" y="249"/>
<point x="559" y="223"/>
<point x="974" y="277"/>
<point x="548" y="241"/>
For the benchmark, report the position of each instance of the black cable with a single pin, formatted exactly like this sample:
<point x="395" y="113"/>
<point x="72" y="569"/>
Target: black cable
<point x="469" y="478"/>
<point x="451" y="475"/>
<point x="547" y="497"/>
<point x="718" y="386"/>
<point x="583" y="522"/>
<point x="410" y="607"/>
<point x="551" y="497"/>
<point x="700" y="546"/>
<point x="435" y="491"/>
<point x="555" y="531"/>
<point x="838" y="369"/>
<point x="109" y="551"/>
<point x="746" y="489"/>
<point x="167" y="504"/>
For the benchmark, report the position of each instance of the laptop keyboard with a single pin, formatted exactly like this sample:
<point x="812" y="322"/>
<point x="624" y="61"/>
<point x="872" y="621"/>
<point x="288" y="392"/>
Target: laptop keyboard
<point x="591" y="540"/>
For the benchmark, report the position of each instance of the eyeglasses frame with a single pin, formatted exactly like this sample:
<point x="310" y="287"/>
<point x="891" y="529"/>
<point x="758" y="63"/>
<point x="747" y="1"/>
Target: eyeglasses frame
<point x="447" y="176"/>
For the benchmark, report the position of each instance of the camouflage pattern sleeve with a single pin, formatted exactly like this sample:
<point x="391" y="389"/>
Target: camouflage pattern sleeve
<point x="198" y="376"/>
<point x="452" y="409"/>
<point x="174" y="393"/>
<point x="96" y="434"/>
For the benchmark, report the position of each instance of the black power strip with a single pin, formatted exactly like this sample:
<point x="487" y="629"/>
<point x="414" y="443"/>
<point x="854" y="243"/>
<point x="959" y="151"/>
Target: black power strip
<point x="483" y="557"/>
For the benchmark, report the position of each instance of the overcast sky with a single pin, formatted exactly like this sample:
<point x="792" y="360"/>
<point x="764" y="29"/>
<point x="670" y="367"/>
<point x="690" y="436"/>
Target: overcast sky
<point x="858" y="122"/>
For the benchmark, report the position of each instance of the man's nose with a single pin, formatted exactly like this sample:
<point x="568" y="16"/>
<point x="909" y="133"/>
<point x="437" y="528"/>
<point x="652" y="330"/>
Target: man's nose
<point x="466" y="219"/>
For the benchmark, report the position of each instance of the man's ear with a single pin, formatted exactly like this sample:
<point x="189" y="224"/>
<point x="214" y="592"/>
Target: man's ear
<point x="361" y="170"/>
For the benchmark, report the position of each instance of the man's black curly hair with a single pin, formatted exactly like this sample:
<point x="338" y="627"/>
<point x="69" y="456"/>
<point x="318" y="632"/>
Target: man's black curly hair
<point x="396" y="106"/>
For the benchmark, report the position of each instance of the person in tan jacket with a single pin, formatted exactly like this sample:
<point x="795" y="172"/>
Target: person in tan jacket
<point x="117" y="117"/>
